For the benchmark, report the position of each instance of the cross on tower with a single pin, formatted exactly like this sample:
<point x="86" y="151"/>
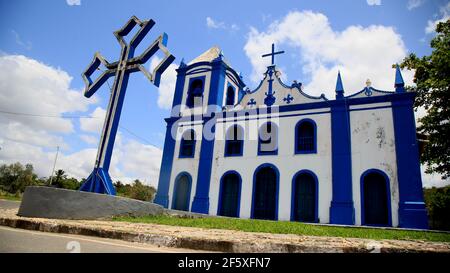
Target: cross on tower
<point x="99" y="181"/>
<point x="273" y="53"/>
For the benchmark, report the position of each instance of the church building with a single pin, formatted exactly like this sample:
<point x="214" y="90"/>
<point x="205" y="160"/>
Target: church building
<point x="278" y="153"/>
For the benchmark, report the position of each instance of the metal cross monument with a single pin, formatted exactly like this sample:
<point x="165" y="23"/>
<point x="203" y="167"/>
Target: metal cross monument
<point x="99" y="181"/>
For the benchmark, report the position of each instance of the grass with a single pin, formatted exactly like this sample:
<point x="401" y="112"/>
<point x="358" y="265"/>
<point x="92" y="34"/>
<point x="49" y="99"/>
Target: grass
<point x="8" y="196"/>
<point x="282" y="227"/>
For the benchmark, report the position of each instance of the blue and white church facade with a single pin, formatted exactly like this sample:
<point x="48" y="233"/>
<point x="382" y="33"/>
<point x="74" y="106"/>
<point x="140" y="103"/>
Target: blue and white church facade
<point x="278" y="153"/>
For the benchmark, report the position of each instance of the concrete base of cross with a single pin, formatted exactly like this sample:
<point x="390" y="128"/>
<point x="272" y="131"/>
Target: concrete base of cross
<point x="47" y="202"/>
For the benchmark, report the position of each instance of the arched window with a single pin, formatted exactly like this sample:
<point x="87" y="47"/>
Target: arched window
<point x="187" y="144"/>
<point x="230" y="96"/>
<point x="234" y="141"/>
<point x="305" y="137"/>
<point x="268" y="139"/>
<point x="195" y="92"/>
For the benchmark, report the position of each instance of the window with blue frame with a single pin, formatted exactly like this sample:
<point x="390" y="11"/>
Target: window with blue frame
<point x="230" y="96"/>
<point x="268" y="139"/>
<point x="234" y="141"/>
<point x="187" y="144"/>
<point x="195" y="92"/>
<point x="305" y="137"/>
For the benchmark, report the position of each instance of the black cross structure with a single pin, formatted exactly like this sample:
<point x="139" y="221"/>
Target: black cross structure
<point x="99" y="181"/>
<point x="273" y="53"/>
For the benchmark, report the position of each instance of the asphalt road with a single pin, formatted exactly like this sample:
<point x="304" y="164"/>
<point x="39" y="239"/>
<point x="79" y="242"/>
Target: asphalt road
<point x="8" y="204"/>
<point x="27" y="241"/>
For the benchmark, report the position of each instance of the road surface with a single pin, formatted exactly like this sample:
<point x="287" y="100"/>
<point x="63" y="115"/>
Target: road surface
<point x="20" y="240"/>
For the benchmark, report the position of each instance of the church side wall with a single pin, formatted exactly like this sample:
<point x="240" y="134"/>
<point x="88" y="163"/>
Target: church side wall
<point x="287" y="162"/>
<point x="373" y="147"/>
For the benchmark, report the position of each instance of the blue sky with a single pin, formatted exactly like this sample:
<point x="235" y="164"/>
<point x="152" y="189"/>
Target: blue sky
<point x="57" y="39"/>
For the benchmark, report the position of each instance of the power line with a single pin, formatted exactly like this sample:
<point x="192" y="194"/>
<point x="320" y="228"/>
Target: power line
<point x="42" y="115"/>
<point x="71" y="117"/>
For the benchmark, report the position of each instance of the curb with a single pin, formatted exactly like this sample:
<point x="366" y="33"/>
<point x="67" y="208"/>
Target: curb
<point x="197" y="243"/>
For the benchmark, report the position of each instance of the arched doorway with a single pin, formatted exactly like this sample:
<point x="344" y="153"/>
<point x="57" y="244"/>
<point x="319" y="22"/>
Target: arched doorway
<point x="265" y="201"/>
<point x="182" y="192"/>
<point x="304" y="197"/>
<point x="375" y="199"/>
<point x="229" y="199"/>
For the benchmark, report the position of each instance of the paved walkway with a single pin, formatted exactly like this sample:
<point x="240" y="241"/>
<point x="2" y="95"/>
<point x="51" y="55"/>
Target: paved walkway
<point x="214" y="239"/>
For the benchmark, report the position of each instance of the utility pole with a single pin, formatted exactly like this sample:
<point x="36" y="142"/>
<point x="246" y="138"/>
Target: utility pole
<point x="54" y="164"/>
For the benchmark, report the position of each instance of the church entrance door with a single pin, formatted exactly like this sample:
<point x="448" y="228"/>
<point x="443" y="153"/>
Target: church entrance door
<point x="265" y="199"/>
<point x="305" y="198"/>
<point x="375" y="199"/>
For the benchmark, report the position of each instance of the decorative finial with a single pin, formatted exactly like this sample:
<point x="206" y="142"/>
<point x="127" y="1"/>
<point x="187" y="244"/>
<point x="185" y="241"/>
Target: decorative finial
<point x="399" y="83"/>
<point x="368" y="83"/>
<point x="339" y="87"/>
<point x="182" y="63"/>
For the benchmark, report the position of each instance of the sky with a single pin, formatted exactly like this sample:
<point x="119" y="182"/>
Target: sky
<point x="46" y="45"/>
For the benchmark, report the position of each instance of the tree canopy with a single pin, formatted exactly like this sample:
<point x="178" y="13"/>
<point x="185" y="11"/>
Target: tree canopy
<point x="432" y="84"/>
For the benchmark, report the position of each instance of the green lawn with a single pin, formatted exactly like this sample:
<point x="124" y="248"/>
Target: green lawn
<point x="290" y="228"/>
<point x="10" y="197"/>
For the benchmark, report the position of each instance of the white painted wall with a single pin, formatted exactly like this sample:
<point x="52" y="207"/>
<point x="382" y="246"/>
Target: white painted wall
<point x="373" y="147"/>
<point x="287" y="162"/>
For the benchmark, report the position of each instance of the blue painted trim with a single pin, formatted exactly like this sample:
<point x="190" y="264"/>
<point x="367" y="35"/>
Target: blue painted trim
<point x="342" y="209"/>
<point x="412" y="212"/>
<point x="219" y="206"/>
<point x="201" y="199"/>
<point x="391" y="97"/>
<point x="316" y="201"/>
<point x="175" y="188"/>
<point x="277" y="187"/>
<point x="180" y="155"/>
<point x="388" y="199"/>
<point x="313" y="151"/>
<point x="178" y="95"/>
<point x="162" y="195"/>
<point x="228" y="140"/>
<point x="274" y="127"/>
<point x="371" y="108"/>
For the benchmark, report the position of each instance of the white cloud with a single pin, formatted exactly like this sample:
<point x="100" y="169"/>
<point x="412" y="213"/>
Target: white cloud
<point x="214" y="24"/>
<point x="89" y="139"/>
<point x="167" y="85"/>
<point x="28" y="86"/>
<point x="358" y="52"/>
<point x="444" y="15"/>
<point x="32" y="88"/>
<point x="94" y="124"/>
<point x="73" y="2"/>
<point x="210" y="23"/>
<point x="412" y="4"/>
<point x="373" y="2"/>
<point x="131" y="160"/>
<point x="27" y="45"/>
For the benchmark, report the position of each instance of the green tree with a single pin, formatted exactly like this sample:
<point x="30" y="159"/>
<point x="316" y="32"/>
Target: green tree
<point x="432" y="79"/>
<point x="438" y="206"/>
<point x="15" y="177"/>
